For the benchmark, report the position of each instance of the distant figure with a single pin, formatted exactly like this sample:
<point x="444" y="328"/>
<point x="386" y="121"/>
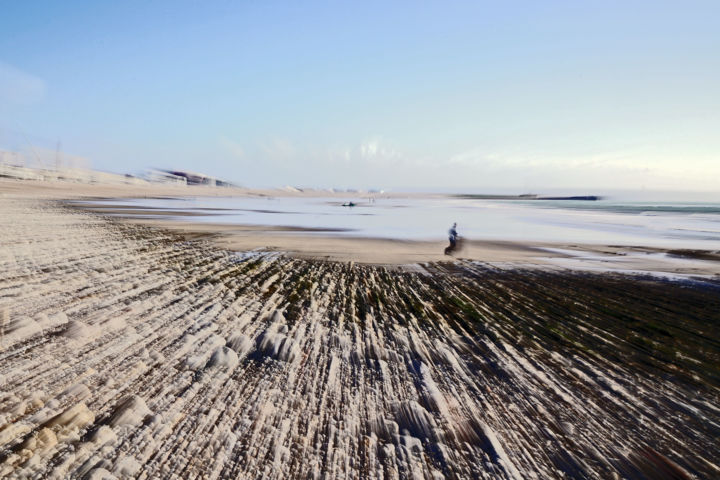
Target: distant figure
<point x="453" y="237"/>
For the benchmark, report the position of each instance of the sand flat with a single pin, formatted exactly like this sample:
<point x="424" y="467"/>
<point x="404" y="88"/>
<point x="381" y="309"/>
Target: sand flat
<point x="137" y="351"/>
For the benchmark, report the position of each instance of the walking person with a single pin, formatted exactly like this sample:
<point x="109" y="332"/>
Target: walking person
<point x="453" y="237"/>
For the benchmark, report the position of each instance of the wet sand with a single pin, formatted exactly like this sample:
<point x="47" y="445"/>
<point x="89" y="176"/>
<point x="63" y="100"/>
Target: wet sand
<point x="322" y="244"/>
<point x="317" y="243"/>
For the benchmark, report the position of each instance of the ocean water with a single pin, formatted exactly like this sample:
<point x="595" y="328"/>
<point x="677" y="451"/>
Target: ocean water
<point x="677" y="224"/>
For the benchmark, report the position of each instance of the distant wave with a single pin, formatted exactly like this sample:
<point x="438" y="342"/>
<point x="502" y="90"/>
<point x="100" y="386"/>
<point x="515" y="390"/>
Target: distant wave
<point x="629" y="208"/>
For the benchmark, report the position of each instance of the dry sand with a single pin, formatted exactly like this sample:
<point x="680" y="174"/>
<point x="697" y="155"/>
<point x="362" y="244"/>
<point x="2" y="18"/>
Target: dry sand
<point x="135" y="352"/>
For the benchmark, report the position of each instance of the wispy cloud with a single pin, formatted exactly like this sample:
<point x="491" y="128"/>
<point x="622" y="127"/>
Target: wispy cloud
<point x="373" y="152"/>
<point x="376" y="161"/>
<point x="640" y="165"/>
<point x="279" y="149"/>
<point x="376" y="150"/>
<point x="233" y="147"/>
<point x="20" y="87"/>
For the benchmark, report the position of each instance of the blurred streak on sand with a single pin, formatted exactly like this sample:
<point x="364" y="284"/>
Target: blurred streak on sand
<point x="135" y="352"/>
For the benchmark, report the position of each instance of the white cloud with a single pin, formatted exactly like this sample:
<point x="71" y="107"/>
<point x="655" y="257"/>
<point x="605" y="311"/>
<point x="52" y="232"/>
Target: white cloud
<point x="233" y="147"/>
<point x="639" y="166"/>
<point x="377" y="162"/>
<point x="19" y="87"/>
<point x="375" y="150"/>
<point x="279" y="149"/>
<point x="476" y="157"/>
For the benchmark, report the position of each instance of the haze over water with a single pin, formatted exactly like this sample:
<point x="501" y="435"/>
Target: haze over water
<point x="684" y="225"/>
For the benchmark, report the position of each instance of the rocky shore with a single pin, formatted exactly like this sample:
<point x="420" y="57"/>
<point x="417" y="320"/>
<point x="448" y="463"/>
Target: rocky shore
<point x="132" y="352"/>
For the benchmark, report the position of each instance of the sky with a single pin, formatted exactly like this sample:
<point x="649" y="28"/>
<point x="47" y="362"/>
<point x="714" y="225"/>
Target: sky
<point x="520" y="96"/>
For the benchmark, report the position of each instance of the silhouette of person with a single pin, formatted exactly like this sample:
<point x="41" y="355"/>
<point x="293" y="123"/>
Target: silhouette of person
<point x="452" y="236"/>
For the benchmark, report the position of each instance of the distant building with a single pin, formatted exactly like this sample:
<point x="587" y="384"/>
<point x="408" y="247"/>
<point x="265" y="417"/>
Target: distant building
<point x="192" y="178"/>
<point x="160" y="176"/>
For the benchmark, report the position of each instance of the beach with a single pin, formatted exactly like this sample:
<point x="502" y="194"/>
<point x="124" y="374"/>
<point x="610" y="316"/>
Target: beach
<point x="152" y="348"/>
<point x="409" y="227"/>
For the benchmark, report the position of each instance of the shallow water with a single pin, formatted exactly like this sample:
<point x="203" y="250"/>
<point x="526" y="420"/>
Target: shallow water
<point x="685" y="225"/>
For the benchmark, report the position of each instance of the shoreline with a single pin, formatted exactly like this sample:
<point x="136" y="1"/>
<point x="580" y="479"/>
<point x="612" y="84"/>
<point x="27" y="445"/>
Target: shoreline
<point x="322" y="244"/>
<point x="307" y="244"/>
<point x="300" y="243"/>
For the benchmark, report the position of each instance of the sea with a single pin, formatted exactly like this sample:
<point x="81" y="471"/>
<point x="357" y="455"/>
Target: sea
<point x="672" y="224"/>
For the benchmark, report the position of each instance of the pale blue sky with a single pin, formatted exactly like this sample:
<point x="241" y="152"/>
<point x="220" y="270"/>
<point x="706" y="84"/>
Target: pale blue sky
<point x="518" y="95"/>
